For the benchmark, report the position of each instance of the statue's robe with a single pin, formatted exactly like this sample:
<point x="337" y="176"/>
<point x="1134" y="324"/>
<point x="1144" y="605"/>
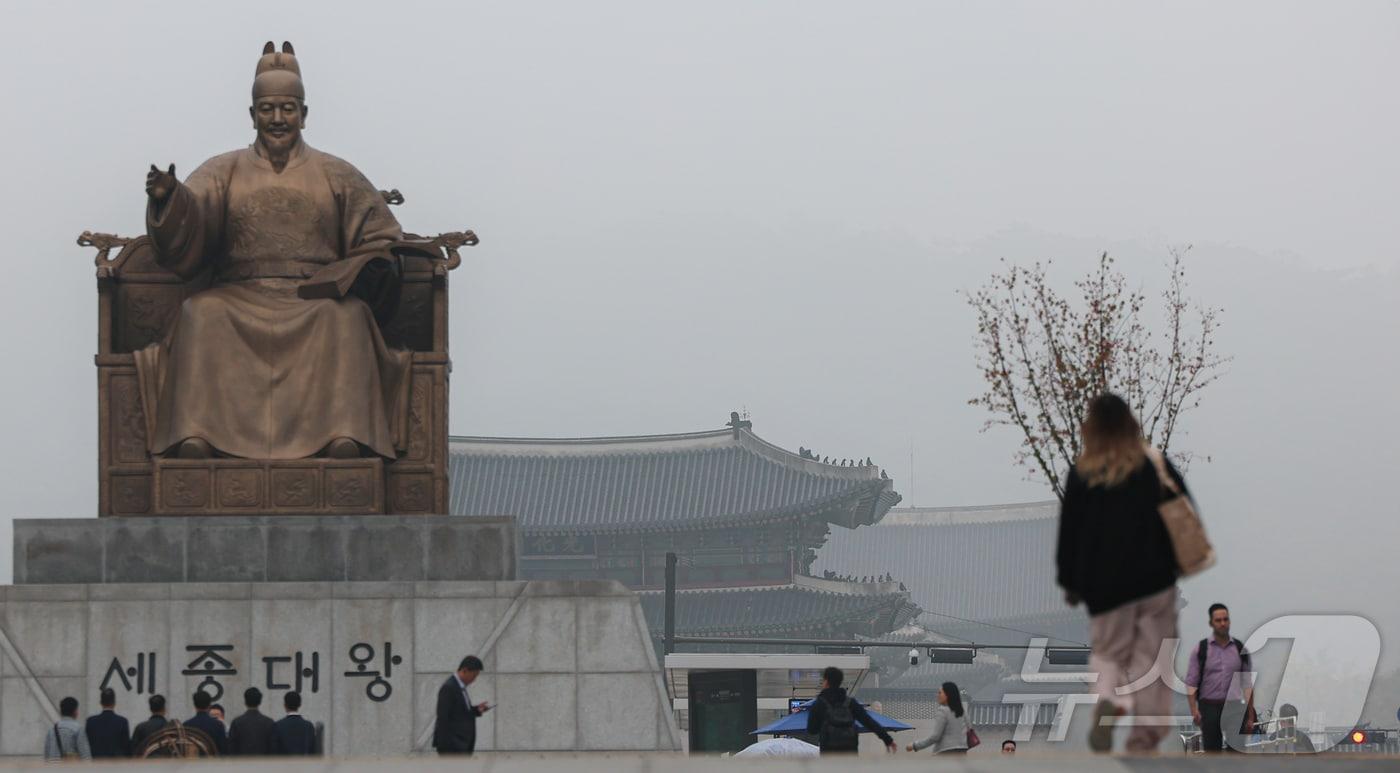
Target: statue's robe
<point x="248" y="365"/>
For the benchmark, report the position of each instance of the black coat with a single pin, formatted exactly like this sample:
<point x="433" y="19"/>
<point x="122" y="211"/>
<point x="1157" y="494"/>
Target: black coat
<point x="202" y="721"/>
<point x="109" y="735"/>
<point x="816" y="716"/>
<point x="293" y="735"/>
<point x="1113" y="547"/>
<point x="251" y="734"/>
<point x="455" y="731"/>
<point x="144" y="730"/>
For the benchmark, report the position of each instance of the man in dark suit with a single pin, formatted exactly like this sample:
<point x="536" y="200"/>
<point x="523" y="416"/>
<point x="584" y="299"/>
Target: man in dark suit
<point x="145" y="729"/>
<point x="108" y="733"/>
<point x="455" y="731"/>
<point x="293" y="734"/>
<point x="202" y="721"/>
<point x="251" y="733"/>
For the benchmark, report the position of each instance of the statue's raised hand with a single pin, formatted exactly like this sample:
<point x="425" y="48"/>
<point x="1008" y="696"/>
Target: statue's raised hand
<point x="159" y="185"/>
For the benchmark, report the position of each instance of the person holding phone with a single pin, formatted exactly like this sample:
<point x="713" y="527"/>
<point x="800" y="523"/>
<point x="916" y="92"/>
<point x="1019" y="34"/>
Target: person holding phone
<point x="455" y="731"/>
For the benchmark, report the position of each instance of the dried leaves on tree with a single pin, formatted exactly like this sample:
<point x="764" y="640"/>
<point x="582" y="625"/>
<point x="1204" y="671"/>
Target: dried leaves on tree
<point x="1045" y="355"/>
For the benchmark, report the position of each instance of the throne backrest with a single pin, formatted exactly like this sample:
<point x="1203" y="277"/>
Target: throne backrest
<point x="142" y="298"/>
<point x="138" y="298"/>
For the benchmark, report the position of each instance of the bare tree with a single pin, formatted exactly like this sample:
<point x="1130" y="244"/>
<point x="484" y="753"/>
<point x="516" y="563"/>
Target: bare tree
<point x="1045" y="356"/>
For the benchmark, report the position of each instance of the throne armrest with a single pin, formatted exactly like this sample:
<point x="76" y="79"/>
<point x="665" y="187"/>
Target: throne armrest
<point x="443" y="247"/>
<point x="107" y="266"/>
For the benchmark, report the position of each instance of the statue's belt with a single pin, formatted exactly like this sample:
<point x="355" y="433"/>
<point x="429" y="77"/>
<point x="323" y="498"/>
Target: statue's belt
<point x="268" y="269"/>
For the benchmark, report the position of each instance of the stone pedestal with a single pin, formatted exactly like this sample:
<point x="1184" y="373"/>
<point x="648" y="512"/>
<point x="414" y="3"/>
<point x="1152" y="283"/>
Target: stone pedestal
<point x="264" y="549"/>
<point x="569" y="664"/>
<point x="365" y="616"/>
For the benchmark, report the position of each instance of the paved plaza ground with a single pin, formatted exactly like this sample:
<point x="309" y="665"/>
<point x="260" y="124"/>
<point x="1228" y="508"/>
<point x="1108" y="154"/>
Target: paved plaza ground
<point x="670" y="763"/>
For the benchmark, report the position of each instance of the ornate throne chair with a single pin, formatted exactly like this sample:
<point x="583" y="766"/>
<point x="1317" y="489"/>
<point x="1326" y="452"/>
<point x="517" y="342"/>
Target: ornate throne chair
<point x="136" y="299"/>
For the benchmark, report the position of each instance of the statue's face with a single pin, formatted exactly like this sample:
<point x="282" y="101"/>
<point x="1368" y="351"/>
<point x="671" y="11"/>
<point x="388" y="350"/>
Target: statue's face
<point x="279" y="121"/>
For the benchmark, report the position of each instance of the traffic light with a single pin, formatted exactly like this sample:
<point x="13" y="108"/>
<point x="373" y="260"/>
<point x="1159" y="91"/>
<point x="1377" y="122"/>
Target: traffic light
<point x="1362" y="735"/>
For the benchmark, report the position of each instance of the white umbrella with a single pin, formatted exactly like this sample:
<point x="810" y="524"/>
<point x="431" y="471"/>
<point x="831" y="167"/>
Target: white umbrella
<point x="780" y="747"/>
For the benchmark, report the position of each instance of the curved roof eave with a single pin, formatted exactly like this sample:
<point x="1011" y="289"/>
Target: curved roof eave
<point x="858" y="605"/>
<point x="584" y="446"/>
<point x="848" y="495"/>
<point x="832" y="508"/>
<point x="974" y="514"/>
<point x="656" y="444"/>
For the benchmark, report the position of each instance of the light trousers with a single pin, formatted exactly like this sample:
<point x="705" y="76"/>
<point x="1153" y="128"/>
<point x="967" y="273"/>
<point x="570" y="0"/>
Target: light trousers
<point x="1127" y="645"/>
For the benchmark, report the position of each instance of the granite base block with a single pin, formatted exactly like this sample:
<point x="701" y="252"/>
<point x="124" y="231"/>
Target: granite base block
<point x="237" y="549"/>
<point x="368" y="658"/>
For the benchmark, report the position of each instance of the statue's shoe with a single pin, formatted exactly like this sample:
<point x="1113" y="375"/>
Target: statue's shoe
<point x="194" y="448"/>
<point x="343" y="448"/>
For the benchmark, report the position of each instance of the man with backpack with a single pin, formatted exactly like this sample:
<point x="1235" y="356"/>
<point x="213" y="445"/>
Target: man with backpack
<point x="834" y="714"/>
<point x="1217" y="698"/>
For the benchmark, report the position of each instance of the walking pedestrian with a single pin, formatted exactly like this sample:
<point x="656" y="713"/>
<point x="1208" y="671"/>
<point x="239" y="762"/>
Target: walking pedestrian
<point x="1115" y="555"/>
<point x="108" y="733"/>
<point x="67" y="740"/>
<point x="202" y="721"/>
<point x="455" y="730"/>
<point x="293" y="734"/>
<point x="834" y="714"/>
<point x="251" y="732"/>
<point x="1222" y="704"/>
<point x="146" y="729"/>
<point x="948" y="731"/>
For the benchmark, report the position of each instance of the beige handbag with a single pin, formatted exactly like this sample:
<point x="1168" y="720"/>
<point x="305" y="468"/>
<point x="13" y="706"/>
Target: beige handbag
<point x="1194" y="553"/>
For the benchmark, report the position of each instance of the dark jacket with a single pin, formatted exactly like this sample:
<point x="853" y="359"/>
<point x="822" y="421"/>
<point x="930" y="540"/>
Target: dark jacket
<point x="1113" y="547"/>
<point x="816" y="716"/>
<point x="251" y="734"/>
<point x="109" y="735"/>
<point x="293" y="734"/>
<point x="455" y="731"/>
<point x="145" y="730"/>
<point x="202" y="721"/>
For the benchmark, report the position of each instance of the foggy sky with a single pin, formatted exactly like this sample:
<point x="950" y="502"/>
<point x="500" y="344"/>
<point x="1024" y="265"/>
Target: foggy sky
<point x="688" y="209"/>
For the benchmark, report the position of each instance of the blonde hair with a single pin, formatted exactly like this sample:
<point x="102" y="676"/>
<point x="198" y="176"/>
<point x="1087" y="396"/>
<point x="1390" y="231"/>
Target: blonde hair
<point x="1112" y="443"/>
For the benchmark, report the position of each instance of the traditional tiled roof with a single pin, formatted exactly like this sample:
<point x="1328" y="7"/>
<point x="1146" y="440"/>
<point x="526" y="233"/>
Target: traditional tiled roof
<point x="976" y="563"/>
<point x="1064" y="627"/>
<point x="673" y="481"/>
<point x="995" y="670"/>
<point x="778" y="609"/>
<point x="930" y="676"/>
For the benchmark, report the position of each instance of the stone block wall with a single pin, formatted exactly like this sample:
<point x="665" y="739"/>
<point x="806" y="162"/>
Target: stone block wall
<point x="295" y="548"/>
<point x="569" y="665"/>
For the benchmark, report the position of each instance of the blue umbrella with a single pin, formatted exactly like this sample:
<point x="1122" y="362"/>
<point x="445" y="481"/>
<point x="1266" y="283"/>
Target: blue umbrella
<point x="794" y="724"/>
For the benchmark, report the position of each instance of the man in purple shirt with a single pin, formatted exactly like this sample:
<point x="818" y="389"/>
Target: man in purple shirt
<point x="1212" y="688"/>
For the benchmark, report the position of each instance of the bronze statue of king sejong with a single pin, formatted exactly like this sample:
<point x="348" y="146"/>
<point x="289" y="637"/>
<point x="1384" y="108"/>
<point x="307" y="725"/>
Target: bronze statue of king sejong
<point x="281" y="356"/>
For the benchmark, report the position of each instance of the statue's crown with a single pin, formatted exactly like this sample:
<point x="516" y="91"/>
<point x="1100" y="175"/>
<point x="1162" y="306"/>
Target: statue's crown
<point x="278" y="74"/>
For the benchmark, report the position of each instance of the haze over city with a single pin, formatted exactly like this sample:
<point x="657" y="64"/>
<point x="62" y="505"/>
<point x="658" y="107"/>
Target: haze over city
<point x="772" y="209"/>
